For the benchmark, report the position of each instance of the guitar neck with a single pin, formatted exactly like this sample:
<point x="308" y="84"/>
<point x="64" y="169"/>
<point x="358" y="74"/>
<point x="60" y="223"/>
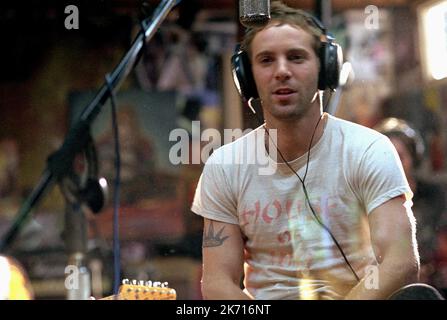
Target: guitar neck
<point x="122" y="297"/>
<point x="140" y="292"/>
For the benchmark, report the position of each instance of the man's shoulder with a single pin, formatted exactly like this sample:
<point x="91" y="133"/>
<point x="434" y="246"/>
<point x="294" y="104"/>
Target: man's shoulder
<point x="348" y="125"/>
<point x="356" y="131"/>
<point x="241" y="145"/>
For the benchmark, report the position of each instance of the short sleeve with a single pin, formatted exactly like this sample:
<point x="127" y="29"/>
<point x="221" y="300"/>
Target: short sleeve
<point x="213" y="198"/>
<point x="381" y="176"/>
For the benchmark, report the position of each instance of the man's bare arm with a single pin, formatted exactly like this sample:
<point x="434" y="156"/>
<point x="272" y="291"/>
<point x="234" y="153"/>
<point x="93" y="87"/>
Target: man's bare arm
<point x="223" y="260"/>
<point x="393" y="239"/>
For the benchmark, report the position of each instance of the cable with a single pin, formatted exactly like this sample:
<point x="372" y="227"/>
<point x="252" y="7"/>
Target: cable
<point x="302" y="180"/>
<point x="116" y="193"/>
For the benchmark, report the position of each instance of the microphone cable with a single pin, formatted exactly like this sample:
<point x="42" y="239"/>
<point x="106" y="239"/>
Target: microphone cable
<point x="302" y="180"/>
<point x="116" y="192"/>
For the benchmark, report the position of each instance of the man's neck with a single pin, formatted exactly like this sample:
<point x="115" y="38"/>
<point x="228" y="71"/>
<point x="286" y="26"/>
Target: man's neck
<point x="294" y="137"/>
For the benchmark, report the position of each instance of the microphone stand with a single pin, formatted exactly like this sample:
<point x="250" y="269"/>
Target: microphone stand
<point x="61" y="162"/>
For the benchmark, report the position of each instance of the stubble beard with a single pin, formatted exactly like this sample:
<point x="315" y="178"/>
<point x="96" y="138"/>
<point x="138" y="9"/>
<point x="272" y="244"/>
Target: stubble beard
<point x="291" y="113"/>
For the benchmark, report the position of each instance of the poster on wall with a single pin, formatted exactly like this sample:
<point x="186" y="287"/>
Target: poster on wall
<point x="370" y="53"/>
<point x="148" y="199"/>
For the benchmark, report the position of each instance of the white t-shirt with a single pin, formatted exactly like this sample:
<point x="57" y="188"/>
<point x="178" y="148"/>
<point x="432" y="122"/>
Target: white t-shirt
<point x="288" y="255"/>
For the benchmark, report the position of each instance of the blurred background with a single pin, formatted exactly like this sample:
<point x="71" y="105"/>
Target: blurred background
<point x="396" y="68"/>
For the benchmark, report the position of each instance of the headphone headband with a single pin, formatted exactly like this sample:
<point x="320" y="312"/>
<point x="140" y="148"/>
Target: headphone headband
<point x="330" y="56"/>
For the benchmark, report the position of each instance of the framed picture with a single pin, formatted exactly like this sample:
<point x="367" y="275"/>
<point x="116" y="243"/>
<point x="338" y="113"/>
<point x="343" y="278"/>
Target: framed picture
<point x="149" y="199"/>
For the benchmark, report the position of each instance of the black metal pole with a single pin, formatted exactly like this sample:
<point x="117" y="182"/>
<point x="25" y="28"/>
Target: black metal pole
<point x="323" y="11"/>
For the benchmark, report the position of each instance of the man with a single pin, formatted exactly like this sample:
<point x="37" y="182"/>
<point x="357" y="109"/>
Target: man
<point x="332" y="221"/>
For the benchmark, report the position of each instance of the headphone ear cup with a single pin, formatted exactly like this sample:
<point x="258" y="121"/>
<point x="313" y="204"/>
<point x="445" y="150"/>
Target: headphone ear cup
<point x="243" y="76"/>
<point x="322" y="82"/>
<point x="94" y="195"/>
<point x="331" y="59"/>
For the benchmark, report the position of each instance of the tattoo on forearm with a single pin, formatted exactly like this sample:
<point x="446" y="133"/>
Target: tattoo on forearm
<point x="213" y="240"/>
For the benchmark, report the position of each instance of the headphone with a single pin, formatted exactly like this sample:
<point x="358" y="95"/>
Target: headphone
<point x="330" y="56"/>
<point x="82" y="182"/>
<point x="412" y="139"/>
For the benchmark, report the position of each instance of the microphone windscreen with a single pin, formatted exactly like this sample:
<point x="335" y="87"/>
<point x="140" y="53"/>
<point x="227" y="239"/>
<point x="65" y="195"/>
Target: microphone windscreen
<point x="254" y="12"/>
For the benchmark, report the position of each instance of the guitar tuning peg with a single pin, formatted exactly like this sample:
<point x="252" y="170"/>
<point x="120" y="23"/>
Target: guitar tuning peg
<point x="125" y="281"/>
<point x="141" y="282"/>
<point x="148" y="283"/>
<point x="157" y="284"/>
<point x="165" y="285"/>
<point x="134" y="282"/>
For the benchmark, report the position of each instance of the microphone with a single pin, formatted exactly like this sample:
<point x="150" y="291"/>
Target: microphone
<point x="253" y="13"/>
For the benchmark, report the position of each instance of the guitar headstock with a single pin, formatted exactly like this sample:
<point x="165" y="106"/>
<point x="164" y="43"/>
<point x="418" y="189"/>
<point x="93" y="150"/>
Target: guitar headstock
<point x="145" y="290"/>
